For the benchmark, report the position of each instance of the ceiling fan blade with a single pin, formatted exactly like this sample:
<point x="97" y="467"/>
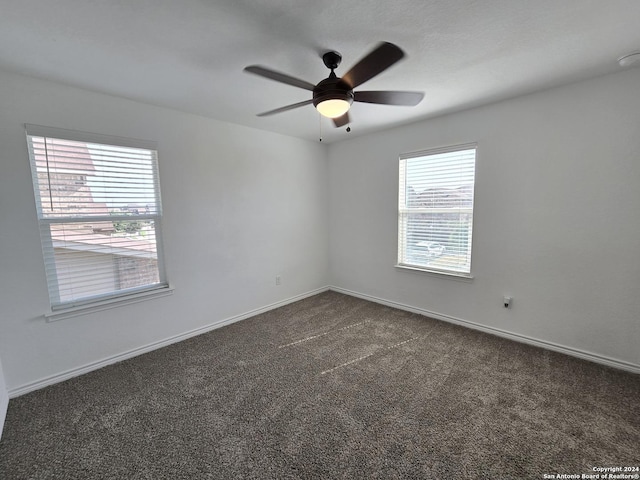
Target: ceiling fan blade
<point x="409" y="99"/>
<point x="286" y="108"/>
<point x="377" y="61"/>
<point x="279" y="77"/>
<point x="342" y="120"/>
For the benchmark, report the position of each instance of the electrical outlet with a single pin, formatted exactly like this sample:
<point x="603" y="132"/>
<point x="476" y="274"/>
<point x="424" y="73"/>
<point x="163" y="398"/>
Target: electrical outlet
<point x="507" y="301"/>
<point x="278" y="280"/>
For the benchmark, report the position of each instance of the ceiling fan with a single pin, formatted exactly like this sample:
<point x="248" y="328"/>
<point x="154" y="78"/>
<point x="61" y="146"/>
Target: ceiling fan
<point x="333" y="96"/>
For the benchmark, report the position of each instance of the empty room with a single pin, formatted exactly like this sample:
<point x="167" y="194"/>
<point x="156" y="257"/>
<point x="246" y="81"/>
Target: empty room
<point x="317" y="239"/>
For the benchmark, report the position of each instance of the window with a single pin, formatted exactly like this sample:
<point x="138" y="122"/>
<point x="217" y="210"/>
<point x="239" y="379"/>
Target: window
<point x="99" y="210"/>
<point x="435" y="210"/>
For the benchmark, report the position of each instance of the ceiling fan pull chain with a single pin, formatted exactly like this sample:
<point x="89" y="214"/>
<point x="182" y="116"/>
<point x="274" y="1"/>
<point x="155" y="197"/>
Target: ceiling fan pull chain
<point x="320" y="126"/>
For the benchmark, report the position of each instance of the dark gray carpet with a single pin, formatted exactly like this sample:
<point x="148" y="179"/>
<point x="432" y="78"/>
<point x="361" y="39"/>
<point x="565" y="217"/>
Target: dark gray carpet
<point x="330" y="387"/>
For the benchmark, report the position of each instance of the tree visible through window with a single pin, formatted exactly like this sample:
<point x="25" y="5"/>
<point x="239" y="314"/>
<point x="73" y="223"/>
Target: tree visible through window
<point x="435" y="209"/>
<point x="99" y="209"/>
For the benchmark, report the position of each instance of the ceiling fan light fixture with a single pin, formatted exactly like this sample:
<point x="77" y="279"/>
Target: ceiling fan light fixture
<point x="333" y="107"/>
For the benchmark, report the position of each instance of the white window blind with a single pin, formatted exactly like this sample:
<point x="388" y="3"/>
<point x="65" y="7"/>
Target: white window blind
<point x="435" y="209"/>
<point x="99" y="210"/>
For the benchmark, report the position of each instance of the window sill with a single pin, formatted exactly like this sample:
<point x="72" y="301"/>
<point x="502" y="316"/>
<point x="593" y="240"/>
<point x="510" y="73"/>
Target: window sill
<point x="108" y="304"/>
<point x="462" y="277"/>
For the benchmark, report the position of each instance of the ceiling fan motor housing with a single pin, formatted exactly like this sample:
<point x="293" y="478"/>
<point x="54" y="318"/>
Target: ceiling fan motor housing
<point x="332" y="88"/>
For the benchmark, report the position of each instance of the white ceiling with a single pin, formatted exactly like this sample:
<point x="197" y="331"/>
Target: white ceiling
<point x="189" y="54"/>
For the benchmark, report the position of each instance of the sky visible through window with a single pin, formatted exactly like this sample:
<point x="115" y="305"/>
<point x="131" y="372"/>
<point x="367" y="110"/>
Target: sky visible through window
<point x="437" y="171"/>
<point x="123" y="176"/>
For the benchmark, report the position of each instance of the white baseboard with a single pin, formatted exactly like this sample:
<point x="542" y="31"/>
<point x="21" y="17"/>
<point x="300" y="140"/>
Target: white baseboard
<point x="4" y="400"/>
<point x="75" y="372"/>
<point x="610" y="362"/>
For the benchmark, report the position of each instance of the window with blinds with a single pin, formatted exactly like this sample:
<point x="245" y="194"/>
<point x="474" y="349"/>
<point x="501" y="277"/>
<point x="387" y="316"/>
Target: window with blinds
<point x="435" y="209"/>
<point x="99" y="210"/>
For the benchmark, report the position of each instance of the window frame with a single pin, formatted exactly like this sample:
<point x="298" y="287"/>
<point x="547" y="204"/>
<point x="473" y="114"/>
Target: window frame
<point x="63" y="309"/>
<point x="403" y="210"/>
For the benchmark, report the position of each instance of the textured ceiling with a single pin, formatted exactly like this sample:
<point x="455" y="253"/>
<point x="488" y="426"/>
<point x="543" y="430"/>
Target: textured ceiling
<point x="189" y="54"/>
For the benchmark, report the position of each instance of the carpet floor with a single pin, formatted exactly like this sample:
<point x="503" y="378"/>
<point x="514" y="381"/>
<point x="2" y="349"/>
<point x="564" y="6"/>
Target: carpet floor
<point x="330" y="387"/>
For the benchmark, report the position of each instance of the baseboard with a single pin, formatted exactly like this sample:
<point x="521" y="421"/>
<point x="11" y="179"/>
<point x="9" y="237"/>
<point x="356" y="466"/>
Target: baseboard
<point x="592" y="357"/>
<point x="75" y="372"/>
<point x="4" y="400"/>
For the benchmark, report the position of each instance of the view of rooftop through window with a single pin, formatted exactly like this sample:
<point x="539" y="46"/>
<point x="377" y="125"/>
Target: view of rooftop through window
<point x="436" y="210"/>
<point x="98" y="207"/>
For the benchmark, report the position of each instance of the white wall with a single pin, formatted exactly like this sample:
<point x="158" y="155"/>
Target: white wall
<point x="240" y="207"/>
<point x="556" y="225"/>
